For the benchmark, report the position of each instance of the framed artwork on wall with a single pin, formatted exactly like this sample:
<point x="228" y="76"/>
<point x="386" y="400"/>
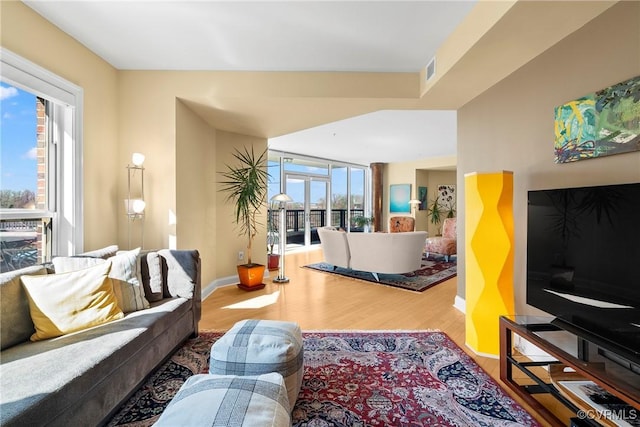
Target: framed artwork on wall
<point x="422" y="196"/>
<point x="399" y="196"/>
<point x="599" y="124"/>
<point x="447" y="200"/>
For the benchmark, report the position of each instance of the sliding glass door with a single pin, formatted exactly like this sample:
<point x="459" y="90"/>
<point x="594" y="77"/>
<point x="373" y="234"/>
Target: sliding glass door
<point x="308" y="211"/>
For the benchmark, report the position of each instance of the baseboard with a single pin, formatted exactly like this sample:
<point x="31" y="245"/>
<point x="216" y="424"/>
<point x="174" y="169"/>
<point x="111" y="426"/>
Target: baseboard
<point x="479" y="353"/>
<point x="460" y="304"/>
<point x="224" y="281"/>
<point x="218" y="283"/>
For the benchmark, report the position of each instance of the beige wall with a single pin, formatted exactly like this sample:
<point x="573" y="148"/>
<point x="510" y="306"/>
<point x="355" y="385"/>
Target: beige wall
<point x="510" y="127"/>
<point x="147" y="118"/>
<point x="25" y="33"/>
<point x="434" y="179"/>
<point x="416" y="173"/>
<point x="184" y="157"/>
<point x="156" y="110"/>
<point x="204" y="219"/>
<point x="193" y="223"/>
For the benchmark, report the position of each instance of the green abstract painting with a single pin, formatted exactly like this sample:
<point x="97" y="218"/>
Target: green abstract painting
<point x="599" y="124"/>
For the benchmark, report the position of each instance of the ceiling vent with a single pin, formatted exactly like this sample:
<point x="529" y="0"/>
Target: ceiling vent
<point x="431" y="68"/>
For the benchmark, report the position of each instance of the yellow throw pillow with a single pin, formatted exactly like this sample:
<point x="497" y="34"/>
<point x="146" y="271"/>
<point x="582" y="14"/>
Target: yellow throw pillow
<point x="63" y="303"/>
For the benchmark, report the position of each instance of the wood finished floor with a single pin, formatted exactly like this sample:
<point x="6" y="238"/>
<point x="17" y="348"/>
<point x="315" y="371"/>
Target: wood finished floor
<point x="322" y="301"/>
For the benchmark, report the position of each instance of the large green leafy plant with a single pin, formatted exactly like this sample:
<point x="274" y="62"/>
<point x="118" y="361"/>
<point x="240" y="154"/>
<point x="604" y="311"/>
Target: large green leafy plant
<point x="434" y="212"/>
<point x="245" y="183"/>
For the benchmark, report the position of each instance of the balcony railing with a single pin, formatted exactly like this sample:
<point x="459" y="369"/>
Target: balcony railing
<point x="317" y="218"/>
<point x="22" y="243"/>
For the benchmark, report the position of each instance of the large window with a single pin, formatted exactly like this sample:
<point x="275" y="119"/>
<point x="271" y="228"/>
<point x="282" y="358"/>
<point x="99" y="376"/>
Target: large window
<point x="339" y="199"/>
<point x="324" y="192"/>
<point x="40" y="156"/>
<point x="357" y="199"/>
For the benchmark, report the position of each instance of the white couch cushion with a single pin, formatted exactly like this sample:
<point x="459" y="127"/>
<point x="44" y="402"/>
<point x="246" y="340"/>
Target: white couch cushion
<point x="390" y="253"/>
<point x="103" y="253"/>
<point x="335" y="246"/>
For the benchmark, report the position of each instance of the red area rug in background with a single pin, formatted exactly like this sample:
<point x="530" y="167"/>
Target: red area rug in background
<point x="433" y="271"/>
<point x="366" y="378"/>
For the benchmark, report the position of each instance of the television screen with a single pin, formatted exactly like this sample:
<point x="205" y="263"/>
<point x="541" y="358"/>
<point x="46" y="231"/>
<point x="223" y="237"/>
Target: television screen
<point x="583" y="261"/>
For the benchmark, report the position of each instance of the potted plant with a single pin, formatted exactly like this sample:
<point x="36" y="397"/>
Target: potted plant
<point x="362" y="222"/>
<point x="273" y="238"/>
<point x="449" y="210"/>
<point x="433" y="211"/>
<point x="246" y="186"/>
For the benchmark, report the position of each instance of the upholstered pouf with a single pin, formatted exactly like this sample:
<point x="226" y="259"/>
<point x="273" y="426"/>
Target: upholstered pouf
<point x="254" y="347"/>
<point x="229" y="400"/>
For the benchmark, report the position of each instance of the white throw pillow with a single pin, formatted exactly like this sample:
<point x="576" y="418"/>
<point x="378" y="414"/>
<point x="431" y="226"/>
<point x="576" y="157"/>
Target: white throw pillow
<point x="124" y="272"/>
<point x="103" y="253"/>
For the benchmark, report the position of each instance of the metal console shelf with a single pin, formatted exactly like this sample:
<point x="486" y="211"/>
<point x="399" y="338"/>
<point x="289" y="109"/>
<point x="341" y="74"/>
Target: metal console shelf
<point x="565" y="349"/>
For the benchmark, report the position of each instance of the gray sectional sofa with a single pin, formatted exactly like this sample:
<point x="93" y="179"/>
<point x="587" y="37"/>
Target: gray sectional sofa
<point x="81" y="378"/>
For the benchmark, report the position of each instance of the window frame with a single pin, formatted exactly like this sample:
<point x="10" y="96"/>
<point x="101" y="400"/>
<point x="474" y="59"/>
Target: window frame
<point x="65" y="198"/>
<point x="281" y="158"/>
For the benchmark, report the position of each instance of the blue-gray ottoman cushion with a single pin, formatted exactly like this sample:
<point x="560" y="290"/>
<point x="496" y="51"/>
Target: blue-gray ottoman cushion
<point x="254" y="347"/>
<point x="229" y="401"/>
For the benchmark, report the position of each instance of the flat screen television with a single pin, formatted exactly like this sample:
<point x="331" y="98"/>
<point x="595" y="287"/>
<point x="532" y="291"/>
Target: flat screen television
<point x="583" y="261"/>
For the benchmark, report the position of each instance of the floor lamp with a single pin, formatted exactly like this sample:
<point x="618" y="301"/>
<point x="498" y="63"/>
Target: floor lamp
<point x="282" y="200"/>
<point x="414" y="206"/>
<point x="135" y="207"/>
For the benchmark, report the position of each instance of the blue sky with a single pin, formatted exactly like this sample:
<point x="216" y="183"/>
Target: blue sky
<point x="17" y="139"/>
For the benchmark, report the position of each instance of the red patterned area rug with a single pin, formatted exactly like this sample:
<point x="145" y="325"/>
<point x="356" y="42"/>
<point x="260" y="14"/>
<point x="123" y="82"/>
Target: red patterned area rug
<point x="432" y="271"/>
<point x="366" y="378"/>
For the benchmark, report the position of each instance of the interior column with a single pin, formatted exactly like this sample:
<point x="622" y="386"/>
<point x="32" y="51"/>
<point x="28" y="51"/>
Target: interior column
<point x="376" y="194"/>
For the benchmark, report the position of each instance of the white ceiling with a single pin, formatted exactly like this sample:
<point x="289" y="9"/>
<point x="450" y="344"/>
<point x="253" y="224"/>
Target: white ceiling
<point x="384" y="136"/>
<point x="373" y="36"/>
<point x="258" y="35"/>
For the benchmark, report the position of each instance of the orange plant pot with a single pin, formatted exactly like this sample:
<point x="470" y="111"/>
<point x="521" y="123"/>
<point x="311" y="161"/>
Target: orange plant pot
<point x="251" y="276"/>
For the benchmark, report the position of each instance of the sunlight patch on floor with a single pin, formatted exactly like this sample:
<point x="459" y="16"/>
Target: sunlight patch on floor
<point x="257" y="302"/>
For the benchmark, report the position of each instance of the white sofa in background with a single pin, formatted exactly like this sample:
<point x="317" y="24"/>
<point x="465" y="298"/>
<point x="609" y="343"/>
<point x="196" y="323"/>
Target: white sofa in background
<point x="387" y="253"/>
<point x="335" y="246"/>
